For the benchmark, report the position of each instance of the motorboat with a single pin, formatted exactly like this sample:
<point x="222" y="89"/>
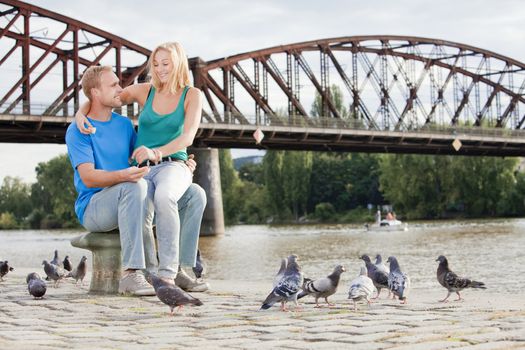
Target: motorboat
<point x="387" y="225"/>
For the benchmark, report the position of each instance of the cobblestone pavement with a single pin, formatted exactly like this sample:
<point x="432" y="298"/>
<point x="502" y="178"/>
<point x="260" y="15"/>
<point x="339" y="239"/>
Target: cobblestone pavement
<point x="70" y="318"/>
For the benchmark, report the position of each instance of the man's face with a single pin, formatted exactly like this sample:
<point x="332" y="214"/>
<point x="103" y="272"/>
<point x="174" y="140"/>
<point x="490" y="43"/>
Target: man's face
<point x="108" y="92"/>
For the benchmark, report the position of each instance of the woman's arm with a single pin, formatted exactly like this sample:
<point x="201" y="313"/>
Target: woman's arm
<point x="133" y="93"/>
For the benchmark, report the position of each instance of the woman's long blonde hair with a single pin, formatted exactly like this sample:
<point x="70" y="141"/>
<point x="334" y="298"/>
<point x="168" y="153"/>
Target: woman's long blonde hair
<point x="179" y="76"/>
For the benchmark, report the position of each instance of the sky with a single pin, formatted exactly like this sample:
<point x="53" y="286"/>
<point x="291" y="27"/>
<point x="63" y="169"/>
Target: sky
<point x="217" y="28"/>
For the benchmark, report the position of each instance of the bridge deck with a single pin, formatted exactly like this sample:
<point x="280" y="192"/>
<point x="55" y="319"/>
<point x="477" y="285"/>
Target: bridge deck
<point x="475" y="141"/>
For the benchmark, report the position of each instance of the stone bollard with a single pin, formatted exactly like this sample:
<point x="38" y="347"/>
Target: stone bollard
<point x="107" y="264"/>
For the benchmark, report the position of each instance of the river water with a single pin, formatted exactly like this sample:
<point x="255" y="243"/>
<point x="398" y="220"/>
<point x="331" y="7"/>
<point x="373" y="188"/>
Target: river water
<point x="491" y="251"/>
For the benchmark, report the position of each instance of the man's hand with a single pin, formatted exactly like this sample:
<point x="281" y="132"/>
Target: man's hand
<point x="144" y="153"/>
<point x="191" y="163"/>
<point x="134" y="174"/>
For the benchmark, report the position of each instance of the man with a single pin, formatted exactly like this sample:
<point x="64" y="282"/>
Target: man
<point x="112" y="194"/>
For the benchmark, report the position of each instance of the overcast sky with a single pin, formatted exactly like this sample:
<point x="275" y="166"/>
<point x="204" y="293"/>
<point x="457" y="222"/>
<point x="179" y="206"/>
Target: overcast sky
<point x="214" y="29"/>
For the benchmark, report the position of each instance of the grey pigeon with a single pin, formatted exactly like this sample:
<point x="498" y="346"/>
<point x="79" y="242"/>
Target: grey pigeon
<point x="79" y="272"/>
<point x="280" y="273"/>
<point x="361" y="287"/>
<point x="56" y="260"/>
<point x="322" y="287"/>
<point x="4" y="269"/>
<point x="54" y="272"/>
<point x="288" y="287"/>
<point x="67" y="264"/>
<point x="36" y="285"/>
<point x="379" y="277"/>
<point x="453" y="282"/>
<point x="172" y="295"/>
<point x="398" y="281"/>
<point x="198" y="270"/>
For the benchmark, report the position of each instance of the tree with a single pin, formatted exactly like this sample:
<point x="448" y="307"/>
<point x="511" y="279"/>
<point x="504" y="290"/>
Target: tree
<point x="54" y="192"/>
<point x="296" y="171"/>
<point x="15" y="198"/>
<point x="230" y="186"/>
<point x="337" y="99"/>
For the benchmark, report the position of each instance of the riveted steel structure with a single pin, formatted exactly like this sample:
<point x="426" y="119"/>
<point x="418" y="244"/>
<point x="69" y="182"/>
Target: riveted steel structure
<point x="362" y="93"/>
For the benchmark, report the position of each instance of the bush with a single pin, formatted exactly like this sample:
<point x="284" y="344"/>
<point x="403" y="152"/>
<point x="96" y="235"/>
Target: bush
<point x="8" y="221"/>
<point x="325" y="212"/>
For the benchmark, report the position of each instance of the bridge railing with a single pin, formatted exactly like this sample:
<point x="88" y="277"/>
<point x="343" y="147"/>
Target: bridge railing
<point x="292" y="121"/>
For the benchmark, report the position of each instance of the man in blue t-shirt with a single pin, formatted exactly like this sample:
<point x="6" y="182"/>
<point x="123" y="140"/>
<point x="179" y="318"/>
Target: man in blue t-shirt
<point x="111" y="193"/>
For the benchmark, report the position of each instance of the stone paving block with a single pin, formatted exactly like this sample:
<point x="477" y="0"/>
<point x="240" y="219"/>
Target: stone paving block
<point x="434" y="345"/>
<point x="516" y="335"/>
<point x="499" y="345"/>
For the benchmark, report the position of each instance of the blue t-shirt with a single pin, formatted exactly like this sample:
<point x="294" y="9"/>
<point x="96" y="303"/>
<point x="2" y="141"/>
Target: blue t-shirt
<point x="109" y="148"/>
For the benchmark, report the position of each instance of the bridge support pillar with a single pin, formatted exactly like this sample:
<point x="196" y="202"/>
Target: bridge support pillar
<point x="208" y="176"/>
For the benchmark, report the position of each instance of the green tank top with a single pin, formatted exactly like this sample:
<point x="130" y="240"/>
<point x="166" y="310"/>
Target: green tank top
<point x="156" y="130"/>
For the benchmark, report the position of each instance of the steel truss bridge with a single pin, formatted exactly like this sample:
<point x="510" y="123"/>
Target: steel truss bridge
<point x="381" y="93"/>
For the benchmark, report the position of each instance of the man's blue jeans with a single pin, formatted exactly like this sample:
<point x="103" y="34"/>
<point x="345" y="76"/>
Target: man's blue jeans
<point x="121" y="206"/>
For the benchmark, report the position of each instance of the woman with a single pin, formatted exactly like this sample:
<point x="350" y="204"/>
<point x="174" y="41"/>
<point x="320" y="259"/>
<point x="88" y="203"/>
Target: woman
<point x="170" y="117"/>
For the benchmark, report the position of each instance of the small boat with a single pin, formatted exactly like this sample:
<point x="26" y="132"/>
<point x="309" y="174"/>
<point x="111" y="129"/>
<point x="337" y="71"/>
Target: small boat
<point x="387" y="225"/>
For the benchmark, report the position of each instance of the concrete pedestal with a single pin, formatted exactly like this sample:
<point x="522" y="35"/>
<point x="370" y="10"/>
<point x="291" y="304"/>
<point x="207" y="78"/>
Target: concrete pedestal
<point x="107" y="265"/>
<point x="208" y="176"/>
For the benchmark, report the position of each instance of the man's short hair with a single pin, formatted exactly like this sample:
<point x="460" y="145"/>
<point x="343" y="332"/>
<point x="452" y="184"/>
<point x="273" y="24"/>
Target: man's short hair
<point x="91" y="78"/>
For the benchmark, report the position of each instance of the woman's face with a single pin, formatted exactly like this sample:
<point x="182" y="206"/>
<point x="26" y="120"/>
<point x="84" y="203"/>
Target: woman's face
<point x="162" y="65"/>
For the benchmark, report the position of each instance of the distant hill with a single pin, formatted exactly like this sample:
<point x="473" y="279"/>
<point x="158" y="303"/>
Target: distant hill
<point x="238" y="162"/>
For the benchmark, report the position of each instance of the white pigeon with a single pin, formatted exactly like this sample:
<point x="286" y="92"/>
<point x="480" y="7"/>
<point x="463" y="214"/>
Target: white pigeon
<point x="361" y="287"/>
<point x="398" y="281"/>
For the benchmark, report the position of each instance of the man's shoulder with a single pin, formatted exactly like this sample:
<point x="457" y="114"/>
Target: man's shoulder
<point x="73" y="132"/>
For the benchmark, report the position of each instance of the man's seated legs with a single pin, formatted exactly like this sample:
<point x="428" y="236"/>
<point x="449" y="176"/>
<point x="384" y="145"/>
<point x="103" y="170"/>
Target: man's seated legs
<point x="122" y="206"/>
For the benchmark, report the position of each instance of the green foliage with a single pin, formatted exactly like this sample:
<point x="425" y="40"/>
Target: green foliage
<point x="431" y="186"/>
<point x="230" y="186"/>
<point x="15" y="198"/>
<point x="54" y="192"/>
<point x="337" y="99"/>
<point x="324" y="212"/>
<point x="345" y="180"/>
<point x="8" y="221"/>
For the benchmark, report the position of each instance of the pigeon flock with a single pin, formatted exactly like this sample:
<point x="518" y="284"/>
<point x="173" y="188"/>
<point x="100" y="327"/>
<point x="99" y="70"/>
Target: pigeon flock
<point x="55" y="270"/>
<point x="289" y="284"/>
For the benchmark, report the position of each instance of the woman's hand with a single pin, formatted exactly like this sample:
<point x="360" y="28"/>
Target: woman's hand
<point x="144" y="153"/>
<point x="81" y="120"/>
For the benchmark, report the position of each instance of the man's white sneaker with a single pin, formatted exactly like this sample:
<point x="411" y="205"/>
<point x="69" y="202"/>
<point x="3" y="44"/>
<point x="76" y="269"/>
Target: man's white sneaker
<point x="134" y="283"/>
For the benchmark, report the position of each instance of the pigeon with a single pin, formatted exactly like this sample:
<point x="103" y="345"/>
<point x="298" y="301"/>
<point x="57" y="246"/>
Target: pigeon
<point x="380" y="265"/>
<point x="56" y="260"/>
<point x="361" y="287"/>
<point x="36" y="285"/>
<point x="398" y="282"/>
<point x="379" y="277"/>
<point x="453" y="282"/>
<point x="67" y="264"/>
<point x="4" y="269"/>
<point x="322" y="287"/>
<point x="280" y="273"/>
<point x="172" y="295"/>
<point x="198" y="270"/>
<point x="54" y="272"/>
<point x="79" y="272"/>
<point x="288" y="287"/>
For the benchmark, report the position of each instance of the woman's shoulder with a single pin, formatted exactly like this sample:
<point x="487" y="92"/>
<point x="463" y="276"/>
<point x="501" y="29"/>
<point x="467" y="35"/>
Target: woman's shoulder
<point x="193" y="93"/>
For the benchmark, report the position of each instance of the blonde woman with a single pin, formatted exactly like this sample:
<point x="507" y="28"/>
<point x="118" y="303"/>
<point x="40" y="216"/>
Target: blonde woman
<point x="170" y="117"/>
